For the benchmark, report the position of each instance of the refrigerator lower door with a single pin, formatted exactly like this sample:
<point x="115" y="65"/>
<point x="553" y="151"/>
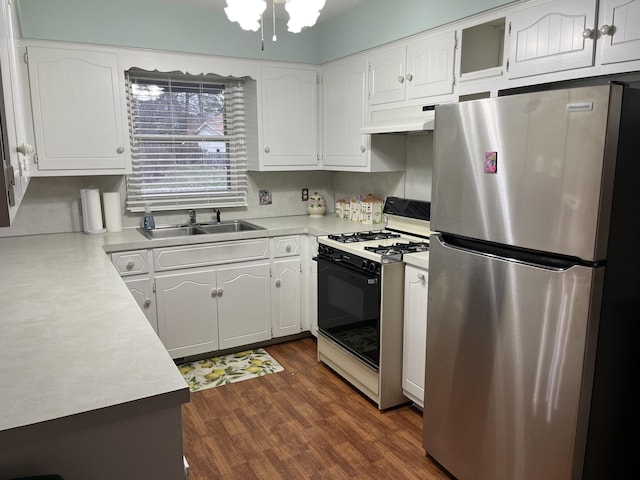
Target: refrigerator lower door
<point x="508" y="352"/>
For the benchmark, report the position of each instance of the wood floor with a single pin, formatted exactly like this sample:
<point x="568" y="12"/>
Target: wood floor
<point x="302" y="423"/>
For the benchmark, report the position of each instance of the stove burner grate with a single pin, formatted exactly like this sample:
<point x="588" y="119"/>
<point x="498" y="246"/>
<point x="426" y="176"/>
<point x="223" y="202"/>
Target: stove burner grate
<point x="363" y="236"/>
<point x="399" y="248"/>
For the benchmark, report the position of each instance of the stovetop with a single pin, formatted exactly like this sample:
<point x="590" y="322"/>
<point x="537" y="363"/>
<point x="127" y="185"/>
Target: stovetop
<point x="406" y="231"/>
<point x="384" y="250"/>
<point x="363" y="236"/>
<point x="399" y="248"/>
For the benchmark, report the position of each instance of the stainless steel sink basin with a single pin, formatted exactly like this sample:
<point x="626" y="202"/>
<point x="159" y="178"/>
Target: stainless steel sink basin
<point x="229" y="227"/>
<point x="171" y="231"/>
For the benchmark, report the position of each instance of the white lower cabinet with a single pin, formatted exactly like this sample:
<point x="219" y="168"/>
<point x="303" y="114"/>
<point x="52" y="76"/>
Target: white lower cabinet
<point x="187" y="312"/>
<point x="312" y="298"/>
<point x="415" y="333"/>
<point x="286" y="290"/>
<point x="244" y="302"/>
<point x="135" y="269"/>
<point x="221" y="295"/>
<point x="141" y="287"/>
<point x="286" y="312"/>
<point x="203" y="310"/>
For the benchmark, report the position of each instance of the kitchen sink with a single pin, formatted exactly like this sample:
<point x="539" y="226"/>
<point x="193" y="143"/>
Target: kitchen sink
<point x="228" y="227"/>
<point x="171" y="231"/>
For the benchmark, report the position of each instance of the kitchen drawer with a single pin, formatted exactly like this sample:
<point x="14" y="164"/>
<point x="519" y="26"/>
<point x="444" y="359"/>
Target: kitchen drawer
<point x="171" y="258"/>
<point x="286" y="246"/>
<point x="131" y="263"/>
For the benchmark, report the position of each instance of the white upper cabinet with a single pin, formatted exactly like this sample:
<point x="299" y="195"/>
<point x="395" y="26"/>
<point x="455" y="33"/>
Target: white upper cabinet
<point x="77" y="111"/>
<point x="387" y="75"/>
<point x="16" y="146"/>
<point x="344" y="113"/>
<point x="480" y="63"/>
<point x="551" y="37"/>
<point x="420" y="68"/>
<point x="430" y="65"/>
<point x="619" y="30"/>
<point x="289" y="137"/>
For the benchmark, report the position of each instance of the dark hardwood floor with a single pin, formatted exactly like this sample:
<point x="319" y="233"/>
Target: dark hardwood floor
<point x="303" y="423"/>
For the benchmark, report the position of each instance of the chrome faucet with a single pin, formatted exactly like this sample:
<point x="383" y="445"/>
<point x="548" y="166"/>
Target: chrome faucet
<point x="217" y="212"/>
<point x="192" y="216"/>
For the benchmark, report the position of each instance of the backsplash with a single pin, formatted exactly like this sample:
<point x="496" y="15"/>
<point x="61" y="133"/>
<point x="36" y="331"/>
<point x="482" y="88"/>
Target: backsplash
<point x="52" y="204"/>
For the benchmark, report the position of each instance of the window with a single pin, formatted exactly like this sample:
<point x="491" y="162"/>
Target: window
<point x="187" y="141"/>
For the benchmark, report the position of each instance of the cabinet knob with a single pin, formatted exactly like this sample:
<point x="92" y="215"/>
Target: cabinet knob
<point x="120" y="150"/>
<point x="219" y="292"/>
<point x="287" y="248"/>
<point x="587" y="33"/>
<point x="362" y="148"/>
<point x="25" y="149"/>
<point x="421" y="277"/>
<point x="606" y="30"/>
<point x="130" y="265"/>
<point x="409" y="77"/>
<point x="267" y="149"/>
<point x="147" y="302"/>
<point x="400" y="78"/>
<point x="278" y="283"/>
<point x="214" y="293"/>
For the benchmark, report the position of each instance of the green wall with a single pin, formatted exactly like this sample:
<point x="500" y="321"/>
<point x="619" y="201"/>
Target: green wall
<point x="183" y="27"/>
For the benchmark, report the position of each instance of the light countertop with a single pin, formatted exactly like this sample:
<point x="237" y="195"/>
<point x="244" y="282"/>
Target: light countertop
<point x="75" y="349"/>
<point x="418" y="259"/>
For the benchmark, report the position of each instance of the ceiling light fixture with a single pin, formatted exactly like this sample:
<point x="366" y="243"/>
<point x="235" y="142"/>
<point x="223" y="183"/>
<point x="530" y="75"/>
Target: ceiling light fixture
<point x="248" y="13"/>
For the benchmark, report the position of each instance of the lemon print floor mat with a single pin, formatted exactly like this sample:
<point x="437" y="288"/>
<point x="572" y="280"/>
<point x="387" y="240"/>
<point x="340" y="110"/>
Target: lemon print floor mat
<point x="235" y="367"/>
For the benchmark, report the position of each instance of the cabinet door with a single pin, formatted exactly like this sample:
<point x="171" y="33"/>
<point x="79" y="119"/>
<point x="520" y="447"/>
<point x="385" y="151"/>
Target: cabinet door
<point x="142" y="290"/>
<point x="619" y="31"/>
<point x="552" y="37"/>
<point x="430" y="65"/>
<point x="387" y="76"/>
<point x="289" y="125"/>
<point x="415" y="333"/>
<point x="344" y="113"/>
<point x="16" y="148"/>
<point x="244" y="304"/>
<point x="286" y="313"/>
<point x="187" y="316"/>
<point x="77" y="117"/>
<point x="313" y="287"/>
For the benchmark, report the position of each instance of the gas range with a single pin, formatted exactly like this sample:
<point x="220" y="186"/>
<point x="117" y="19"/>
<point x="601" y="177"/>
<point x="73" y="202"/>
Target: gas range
<point x="361" y="299"/>
<point x="387" y="247"/>
<point x="407" y="231"/>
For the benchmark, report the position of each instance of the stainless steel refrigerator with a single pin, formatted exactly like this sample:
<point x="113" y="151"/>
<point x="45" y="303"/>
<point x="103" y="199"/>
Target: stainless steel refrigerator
<point x="533" y="300"/>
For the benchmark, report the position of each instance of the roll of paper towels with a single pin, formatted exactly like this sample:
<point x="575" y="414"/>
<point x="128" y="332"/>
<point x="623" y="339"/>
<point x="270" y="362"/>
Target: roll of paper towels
<point x="112" y="215"/>
<point x="91" y="210"/>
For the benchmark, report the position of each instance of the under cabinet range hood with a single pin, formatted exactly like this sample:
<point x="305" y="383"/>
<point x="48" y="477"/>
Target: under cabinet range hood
<point x="401" y="120"/>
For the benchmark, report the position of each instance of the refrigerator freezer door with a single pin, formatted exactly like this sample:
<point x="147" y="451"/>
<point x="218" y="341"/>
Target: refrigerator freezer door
<point x="527" y="170"/>
<point x="507" y="352"/>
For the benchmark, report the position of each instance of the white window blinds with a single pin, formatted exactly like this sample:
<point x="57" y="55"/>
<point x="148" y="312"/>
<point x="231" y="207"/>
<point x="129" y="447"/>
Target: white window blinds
<point x="187" y="141"/>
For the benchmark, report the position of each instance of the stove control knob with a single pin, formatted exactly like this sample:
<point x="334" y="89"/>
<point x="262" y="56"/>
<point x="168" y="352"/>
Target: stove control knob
<point x="365" y="264"/>
<point x="373" y="267"/>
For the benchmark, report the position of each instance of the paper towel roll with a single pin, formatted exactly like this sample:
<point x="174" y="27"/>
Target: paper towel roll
<point x="112" y="215"/>
<point x="91" y="210"/>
